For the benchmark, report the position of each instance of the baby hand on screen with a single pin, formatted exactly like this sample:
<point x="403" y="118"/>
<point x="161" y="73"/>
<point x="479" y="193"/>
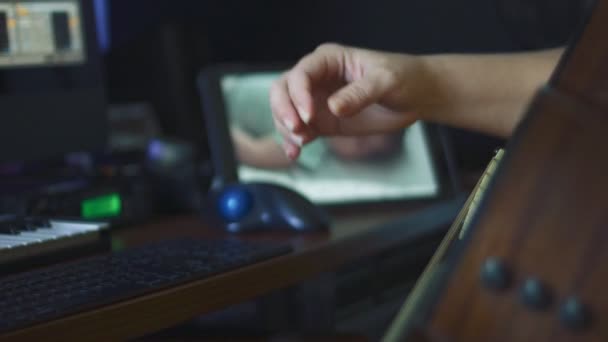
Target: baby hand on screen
<point x="366" y="148"/>
<point x="344" y="91"/>
<point x="260" y="152"/>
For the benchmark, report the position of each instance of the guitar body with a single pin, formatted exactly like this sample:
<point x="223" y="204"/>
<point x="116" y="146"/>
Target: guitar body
<point x="534" y="264"/>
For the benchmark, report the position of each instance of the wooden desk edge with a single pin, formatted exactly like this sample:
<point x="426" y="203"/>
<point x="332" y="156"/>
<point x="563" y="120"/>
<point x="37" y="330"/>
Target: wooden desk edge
<point x="163" y="309"/>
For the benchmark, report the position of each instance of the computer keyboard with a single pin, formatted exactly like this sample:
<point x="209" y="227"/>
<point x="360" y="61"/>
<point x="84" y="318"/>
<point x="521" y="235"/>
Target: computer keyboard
<point x="64" y="289"/>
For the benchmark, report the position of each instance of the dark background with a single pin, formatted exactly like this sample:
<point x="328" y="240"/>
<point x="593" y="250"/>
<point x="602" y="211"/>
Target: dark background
<point x="158" y="47"/>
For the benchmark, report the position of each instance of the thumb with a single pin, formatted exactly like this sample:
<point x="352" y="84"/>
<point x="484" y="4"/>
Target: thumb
<point x="358" y="95"/>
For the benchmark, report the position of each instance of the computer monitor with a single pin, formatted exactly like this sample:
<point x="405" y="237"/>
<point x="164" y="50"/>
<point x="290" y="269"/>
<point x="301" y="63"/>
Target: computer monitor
<point x="51" y="91"/>
<point x="410" y="165"/>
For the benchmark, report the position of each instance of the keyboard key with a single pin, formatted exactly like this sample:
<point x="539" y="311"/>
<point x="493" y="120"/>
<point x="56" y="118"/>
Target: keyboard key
<point x="68" y="288"/>
<point x="21" y="238"/>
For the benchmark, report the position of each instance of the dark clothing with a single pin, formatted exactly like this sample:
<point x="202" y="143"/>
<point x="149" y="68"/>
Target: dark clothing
<point x="531" y="25"/>
<point x="535" y="24"/>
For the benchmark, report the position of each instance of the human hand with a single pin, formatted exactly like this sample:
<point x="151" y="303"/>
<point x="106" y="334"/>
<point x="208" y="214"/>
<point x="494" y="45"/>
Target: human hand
<point x="343" y="91"/>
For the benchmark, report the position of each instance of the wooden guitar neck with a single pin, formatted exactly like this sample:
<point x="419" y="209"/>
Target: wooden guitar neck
<point x="532" y="263"/>
<point x="406" y="317"/>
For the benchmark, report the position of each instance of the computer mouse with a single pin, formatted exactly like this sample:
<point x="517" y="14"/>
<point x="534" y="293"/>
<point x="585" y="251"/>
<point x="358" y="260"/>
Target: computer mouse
<point x="251" y="207"/>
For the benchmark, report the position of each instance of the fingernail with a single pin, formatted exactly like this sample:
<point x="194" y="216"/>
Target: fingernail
<point x="289" y="124"/>
<point x="305" y="115"/>
<point x="335" y="106"/>
<point x="298" y="140"/>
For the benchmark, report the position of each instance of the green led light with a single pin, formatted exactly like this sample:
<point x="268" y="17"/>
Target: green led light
<point x="101" y="207"/>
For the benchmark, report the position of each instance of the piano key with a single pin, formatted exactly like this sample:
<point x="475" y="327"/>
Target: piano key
<point x="62" y="231"/>
<point x="55" y="233"/>
<point x="4" y="237"/>
<point x="38" y="222"/>
<point x="27" y="226"/>
<point x="24" y="237"/>
<point x="9" y="229"/>
<point x="41" y="235"/>
<point x="11" y="244"/>
<point x="78" y="226"/>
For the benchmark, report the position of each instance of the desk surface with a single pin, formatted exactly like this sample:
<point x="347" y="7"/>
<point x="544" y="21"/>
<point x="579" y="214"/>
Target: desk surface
<point x="350" y="239"/>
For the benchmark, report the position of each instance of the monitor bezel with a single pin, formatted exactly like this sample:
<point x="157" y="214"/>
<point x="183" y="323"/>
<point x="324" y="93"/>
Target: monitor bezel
<point x="225" y="165"/>
<point x="61" y="116"/>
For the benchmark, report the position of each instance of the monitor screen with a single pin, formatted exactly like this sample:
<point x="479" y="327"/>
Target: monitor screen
<point x="40" y="33"/>
<point x="52" y="99"/>
<point x="331" y="170"/>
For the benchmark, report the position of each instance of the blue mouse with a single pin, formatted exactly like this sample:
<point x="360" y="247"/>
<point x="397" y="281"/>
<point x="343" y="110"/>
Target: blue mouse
<point x="250" y="207"/>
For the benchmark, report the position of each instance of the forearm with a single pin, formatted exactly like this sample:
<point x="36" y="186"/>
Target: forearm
<point x="487" y="93"/>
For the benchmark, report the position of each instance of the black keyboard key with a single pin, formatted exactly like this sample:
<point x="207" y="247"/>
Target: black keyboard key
<point x="38" y="223"/>
<point x="28" y="226"/>
<point x="9" y="228"/>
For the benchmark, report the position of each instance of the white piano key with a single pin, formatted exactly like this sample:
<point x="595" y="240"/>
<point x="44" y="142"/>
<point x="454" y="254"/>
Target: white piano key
<point x="60" y="235"/>
<point x="41" y="235"/>
<point x="62" y="231"/>
<point x="75" y="226"/>
<point x="5" y="237"/>
<point x="11" y="244"/>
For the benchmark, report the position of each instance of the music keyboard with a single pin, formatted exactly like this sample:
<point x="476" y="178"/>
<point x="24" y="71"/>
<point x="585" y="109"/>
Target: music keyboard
<point x="22" y="238"/>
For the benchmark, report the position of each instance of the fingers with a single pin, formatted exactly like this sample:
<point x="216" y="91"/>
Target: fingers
<point x="299" y="139"/>
<point x="299" y="88"/>
<point x="282" y="107"/>
<point x="358" y="95"/>
<point x="291" y="151"/>
<point x="320" y="68"/>
<point x="286" y="119"/>
<point x="293" y="142"/>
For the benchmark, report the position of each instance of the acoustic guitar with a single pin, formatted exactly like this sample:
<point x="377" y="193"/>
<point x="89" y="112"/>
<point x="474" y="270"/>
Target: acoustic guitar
<point x="527" y="258"/>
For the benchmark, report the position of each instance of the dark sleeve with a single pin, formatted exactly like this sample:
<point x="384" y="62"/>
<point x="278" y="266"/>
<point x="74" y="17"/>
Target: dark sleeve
<point x="536" y="24"/>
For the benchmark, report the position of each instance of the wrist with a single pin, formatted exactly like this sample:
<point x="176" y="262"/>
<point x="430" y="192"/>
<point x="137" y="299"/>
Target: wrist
<point x="433" y="99"/>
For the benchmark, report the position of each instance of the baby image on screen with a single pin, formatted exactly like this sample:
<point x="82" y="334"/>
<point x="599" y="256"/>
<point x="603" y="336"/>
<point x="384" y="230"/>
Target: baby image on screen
<point x="329" y="170"/>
